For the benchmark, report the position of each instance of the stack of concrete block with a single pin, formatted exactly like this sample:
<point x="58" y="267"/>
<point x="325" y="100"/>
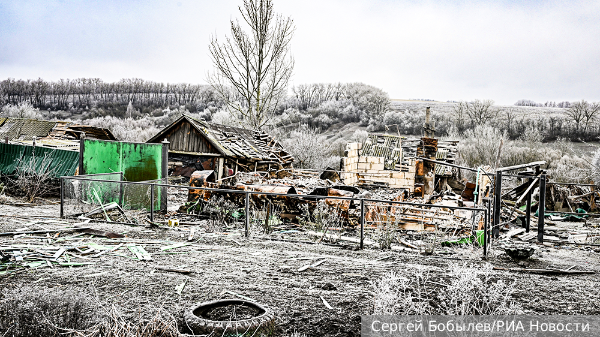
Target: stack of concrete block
<point x="355" y="167"/>
<point x="370" y="164"/>
<point x="349" y="163"/>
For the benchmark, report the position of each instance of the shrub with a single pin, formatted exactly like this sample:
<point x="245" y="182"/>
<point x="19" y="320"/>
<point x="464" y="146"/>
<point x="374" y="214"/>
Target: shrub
<point x="33" y="180"/>
<point x="31" y="311"/>
<point x="470" y="290"/>
<point x="21" y="110"/>
<point x="310" y="149"/>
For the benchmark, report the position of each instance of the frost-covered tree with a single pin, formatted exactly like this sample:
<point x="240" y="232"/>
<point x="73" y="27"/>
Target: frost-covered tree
<point x="254" y="65"/>
<point x="21" y="110"/>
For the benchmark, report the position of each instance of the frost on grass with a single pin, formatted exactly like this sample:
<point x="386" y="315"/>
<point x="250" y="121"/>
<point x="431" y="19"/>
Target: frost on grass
<point x="468" y="290"/>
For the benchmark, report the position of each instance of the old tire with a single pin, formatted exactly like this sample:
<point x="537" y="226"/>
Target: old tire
<point x="198" y="324"/>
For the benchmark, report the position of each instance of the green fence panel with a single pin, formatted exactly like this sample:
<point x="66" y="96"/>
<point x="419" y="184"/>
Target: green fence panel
<point x="101" y="156"/>
<point x="59" y="162"/>
<point x="10" y="155"/>
<point x="141" y="162"/>
<point x="137" y="161"/>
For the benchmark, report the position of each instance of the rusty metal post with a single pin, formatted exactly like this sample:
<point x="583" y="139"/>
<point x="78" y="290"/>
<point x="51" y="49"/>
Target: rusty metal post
<point x="497" y="205"/>
<point x="485" y="230"/>
<point x="81" y="152"/>
<point x="121" y="189"/>
<point x="62" y="197"/>
<point x="362" y="223"/>
<point x="487" y="202"/>
<point x="247" y="205"/>
<point x="152" y="203"/>
<point x="541" y="208"/>
<point x="528" y="209"/>
<point x="164" y="175"/>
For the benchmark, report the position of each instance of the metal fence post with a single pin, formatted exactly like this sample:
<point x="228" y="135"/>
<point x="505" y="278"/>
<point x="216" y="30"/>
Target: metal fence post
<point x="81" y="152"/>
<point x="362" y="223"/>
<point x="121" y="189"/>
<point x="528" y="210"/>
<point x="247" y="204"/>
<point x="541" y="208"/>
<point x="152" y="202"/>
<point x="497" y="205"/>
<point x="62" y="197"/>
<point x="486" y="223"/>
<point x="164" y="174"/>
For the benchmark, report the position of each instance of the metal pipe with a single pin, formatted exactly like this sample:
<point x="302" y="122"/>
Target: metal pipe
<point x="152" y="203"/>
<point x="497" y="200"/>
<point x="164" y="174"/>
<point x="541" y="208"/>
<point x="62" y="197"/>
<point x="528" y="211"/>
<point x="121" y="189"/>
<point x="247" y="210"/>
<point x="485" y="231"/>
<point x="81" y="152"/>
<point x="362" y="223"/>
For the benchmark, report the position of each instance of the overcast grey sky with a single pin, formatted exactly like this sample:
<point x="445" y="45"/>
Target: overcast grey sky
<point x="443" y="50"/>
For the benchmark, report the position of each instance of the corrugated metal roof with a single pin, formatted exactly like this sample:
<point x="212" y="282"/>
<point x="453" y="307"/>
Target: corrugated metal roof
<point x="386" y="146"/>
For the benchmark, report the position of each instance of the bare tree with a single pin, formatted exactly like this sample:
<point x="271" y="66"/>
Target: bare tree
<point x="582" y="112"/>
<point x="254" y="64"/>
<point x="591" y="114"/>
<point x="479" y="112"/>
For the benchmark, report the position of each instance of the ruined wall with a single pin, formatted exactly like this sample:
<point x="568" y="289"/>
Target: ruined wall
<point x="356" y="169"/>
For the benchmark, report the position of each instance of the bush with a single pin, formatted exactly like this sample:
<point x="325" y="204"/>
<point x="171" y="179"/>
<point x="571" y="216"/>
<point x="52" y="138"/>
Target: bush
<point x="480" y="146"/>
<point x="29" y="311"/>
<point x="309" y="148"/>
<point x="31" y="180"/>
<point x="470" y="290"/>
<point x="21" y="110"/>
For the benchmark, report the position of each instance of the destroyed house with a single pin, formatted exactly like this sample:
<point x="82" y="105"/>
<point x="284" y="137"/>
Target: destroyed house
<point x="199" y="145"/>
<point x="398" y="162"/>
<point x="54" y="134"/>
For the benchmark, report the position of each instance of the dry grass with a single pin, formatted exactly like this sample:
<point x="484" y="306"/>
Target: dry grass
<point x="469" y="290"/>
<point x="29" y="311"/>
<point x="36" y="311"/>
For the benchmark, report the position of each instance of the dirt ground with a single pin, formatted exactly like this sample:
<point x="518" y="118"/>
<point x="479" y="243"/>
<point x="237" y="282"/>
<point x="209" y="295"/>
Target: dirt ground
<point x="226" y="265"/>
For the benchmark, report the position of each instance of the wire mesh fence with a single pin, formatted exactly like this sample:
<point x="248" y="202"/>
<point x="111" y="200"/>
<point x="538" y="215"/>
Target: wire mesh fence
<point x="85" y="194"/>
<point x="325" y="218"/>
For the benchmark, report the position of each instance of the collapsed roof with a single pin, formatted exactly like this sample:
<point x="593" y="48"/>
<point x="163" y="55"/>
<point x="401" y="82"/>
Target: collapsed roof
<point x="228" y="141"/>
<point x="48" y="133"/>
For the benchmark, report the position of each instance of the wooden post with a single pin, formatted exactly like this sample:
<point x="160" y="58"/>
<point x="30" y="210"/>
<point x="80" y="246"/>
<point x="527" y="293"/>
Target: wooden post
<point x="219" y="171"/>
<point x="541" y="208"/>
